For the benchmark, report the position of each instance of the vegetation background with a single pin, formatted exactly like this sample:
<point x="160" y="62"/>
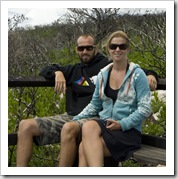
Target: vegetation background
<point x="32" y="48"/>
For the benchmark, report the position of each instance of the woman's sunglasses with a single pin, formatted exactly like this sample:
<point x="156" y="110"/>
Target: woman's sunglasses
<point x="88" y="48"/>
<point x="121" y="46"/>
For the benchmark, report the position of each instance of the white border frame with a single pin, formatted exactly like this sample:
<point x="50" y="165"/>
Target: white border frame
<point x="169" y="169"/>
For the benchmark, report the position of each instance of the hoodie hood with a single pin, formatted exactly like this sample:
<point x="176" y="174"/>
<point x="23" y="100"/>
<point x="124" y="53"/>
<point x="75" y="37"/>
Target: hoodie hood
<point x="132" y="66"/>
<point x="127" y="80"/>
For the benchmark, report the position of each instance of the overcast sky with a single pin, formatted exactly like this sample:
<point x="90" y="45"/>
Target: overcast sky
<point x="37" y="16"/>
<point x="43" y="16"/>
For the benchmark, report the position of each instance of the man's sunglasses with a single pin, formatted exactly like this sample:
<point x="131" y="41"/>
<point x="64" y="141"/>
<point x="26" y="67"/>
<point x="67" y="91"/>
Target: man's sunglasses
<point x="88" y="48"/>
<point x="121" y="46"/>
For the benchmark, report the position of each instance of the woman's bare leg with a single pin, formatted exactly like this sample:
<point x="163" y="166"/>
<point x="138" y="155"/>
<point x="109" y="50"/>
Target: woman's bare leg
<point x="93" y="144"/>
<point x="82" y="158"/>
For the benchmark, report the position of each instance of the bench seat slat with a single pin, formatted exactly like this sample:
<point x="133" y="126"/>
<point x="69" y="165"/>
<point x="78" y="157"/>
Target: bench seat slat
<point x="151" y="154"/>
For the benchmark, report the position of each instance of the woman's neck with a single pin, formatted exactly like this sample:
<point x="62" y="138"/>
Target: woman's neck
<point x="120" y="66"/>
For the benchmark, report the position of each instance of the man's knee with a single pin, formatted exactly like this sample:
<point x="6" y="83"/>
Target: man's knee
<point x="70" y="130"/>
<point x="28" y="126"/>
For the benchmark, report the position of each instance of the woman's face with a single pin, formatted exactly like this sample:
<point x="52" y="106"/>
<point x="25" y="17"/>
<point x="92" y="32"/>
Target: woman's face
<point x="118" y="49"/>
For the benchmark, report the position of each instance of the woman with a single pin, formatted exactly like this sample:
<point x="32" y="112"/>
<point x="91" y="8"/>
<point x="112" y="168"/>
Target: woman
<point x="122" y="100"/>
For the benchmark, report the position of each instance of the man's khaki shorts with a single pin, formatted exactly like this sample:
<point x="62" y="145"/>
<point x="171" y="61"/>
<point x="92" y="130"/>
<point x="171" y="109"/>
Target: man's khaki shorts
<point x="50" y="128"/>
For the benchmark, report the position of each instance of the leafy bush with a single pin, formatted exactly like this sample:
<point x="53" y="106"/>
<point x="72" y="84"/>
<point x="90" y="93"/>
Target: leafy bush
<point x="154" y="126"/>
<point x="130" y="163"/>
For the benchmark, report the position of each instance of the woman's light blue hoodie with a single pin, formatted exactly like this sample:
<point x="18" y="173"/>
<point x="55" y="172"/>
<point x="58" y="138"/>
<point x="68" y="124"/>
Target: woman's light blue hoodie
<point x="133" y="103"/>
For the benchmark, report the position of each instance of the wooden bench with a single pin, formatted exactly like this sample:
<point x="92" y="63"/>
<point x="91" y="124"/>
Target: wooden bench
<point x="153" y="149"/>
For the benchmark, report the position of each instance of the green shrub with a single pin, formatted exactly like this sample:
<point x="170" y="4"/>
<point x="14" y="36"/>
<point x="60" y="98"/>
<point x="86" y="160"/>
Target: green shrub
<point x="156" y="127"/>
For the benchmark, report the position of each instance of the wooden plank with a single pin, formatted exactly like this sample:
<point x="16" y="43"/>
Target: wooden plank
<point x="154" y="141"/>
<point x="151" y="154"/>
<point x="161" y="84"/>
<point x="12" y="139"/>
<point x="39" y="81"/>
<point x="29" y="82"/>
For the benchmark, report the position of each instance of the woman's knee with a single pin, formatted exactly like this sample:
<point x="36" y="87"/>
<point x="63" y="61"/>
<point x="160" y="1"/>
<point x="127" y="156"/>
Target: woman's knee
<point x="90" y="127"/>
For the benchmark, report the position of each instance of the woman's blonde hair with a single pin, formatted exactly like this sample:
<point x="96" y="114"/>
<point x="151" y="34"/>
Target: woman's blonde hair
<point x="113" y="35"/>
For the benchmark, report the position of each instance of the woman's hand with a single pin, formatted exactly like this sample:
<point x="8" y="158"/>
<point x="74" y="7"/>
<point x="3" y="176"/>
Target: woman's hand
<point x="60" y="82"/>
<point x="112" y="124"/>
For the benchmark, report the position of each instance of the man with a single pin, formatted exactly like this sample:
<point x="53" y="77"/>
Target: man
<point x="79" y="79"/>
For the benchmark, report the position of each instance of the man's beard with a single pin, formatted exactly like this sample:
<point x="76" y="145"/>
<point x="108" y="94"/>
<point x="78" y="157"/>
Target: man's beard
<point x="86" y="58"/>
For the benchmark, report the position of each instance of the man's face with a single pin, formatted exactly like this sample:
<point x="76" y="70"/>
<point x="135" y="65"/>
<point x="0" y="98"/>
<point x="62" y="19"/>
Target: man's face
<point x="85" y="49"/>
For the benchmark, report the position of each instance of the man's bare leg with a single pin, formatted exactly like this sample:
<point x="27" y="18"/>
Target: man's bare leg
<point x="68" y="150"/>
<point x="28" y="128"/>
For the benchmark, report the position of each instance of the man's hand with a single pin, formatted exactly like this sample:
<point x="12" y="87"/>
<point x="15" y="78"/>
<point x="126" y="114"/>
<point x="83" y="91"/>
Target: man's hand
<point x="152" y="82"/>
<point x="60" y="82"/>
